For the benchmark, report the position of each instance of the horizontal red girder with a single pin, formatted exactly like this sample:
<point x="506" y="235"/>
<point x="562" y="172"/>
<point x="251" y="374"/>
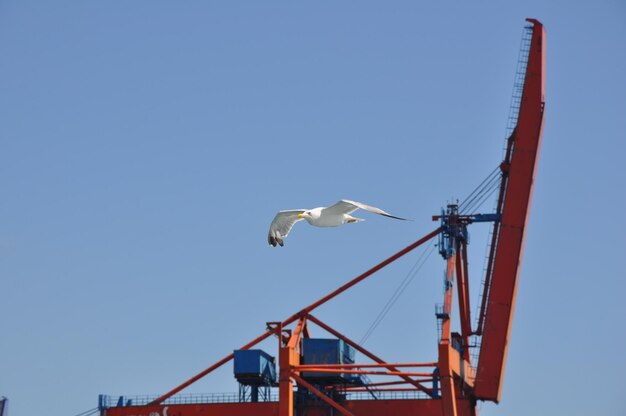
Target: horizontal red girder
<point x="370" y="390"/>
<point x="391" y="383"/>
<point x="377" y="373"/>
<point x="309" y="366"/>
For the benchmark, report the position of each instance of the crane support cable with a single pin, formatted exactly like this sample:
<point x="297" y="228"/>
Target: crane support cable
<point x="482" y="192"/>
<point x="476" y="190"/>
<point x="88" y="412"/>
<point x="484" y="196"/>
<point x="399" y="291"/>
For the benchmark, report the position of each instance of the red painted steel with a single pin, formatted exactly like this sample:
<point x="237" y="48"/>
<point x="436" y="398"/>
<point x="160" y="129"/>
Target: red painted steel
<point x="393" y="383"/>
<point x="463" y="293"/>
<point x="208" y="370"/>
<point x="427" y="407"/>
<point x="304" y="367"/>
<point x="387" y="407"/>
<point x="448" y="388"/>
<point x="516" y="208"/>
<point x="504" y="169"/>
<point x="322" y="396"/>
<point x="300" y="314"/>
<point x="213" y="409"/>
<point x="368" y="354"/>
<point x="369" y="389"/>
<point x="378" y="373"/>
<point x="460" y="387"/>
<point x="373" y="270"/>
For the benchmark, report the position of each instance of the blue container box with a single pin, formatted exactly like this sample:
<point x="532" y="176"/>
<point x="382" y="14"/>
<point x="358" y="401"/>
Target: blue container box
<point x="327" y="351"/>
<point x="254" y="367"/>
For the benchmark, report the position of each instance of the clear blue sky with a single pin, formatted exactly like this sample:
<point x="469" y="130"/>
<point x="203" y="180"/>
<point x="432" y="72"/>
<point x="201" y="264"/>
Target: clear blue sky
<point x="146" y="145"/>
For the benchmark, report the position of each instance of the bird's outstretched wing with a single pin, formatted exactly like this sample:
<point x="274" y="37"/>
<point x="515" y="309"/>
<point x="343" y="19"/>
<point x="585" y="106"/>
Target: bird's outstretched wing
<point x="348" y="207"/>
<point x="281" y="225"/>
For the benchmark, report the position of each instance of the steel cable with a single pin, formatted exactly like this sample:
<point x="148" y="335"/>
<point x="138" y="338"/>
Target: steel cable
<point x="468" y="199"/>
<point x="89" y="412"/>
<point x="486" y="196"/>
<point x="398" y="292"/>
<point x="467" y="205"/>
<point x="480" y="198"/>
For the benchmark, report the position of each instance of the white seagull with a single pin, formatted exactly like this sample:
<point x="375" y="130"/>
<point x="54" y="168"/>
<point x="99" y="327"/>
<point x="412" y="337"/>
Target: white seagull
<point x="332" y="216"/>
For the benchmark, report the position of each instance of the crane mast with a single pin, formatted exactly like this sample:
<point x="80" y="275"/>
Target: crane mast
<point x="321" y="377"/>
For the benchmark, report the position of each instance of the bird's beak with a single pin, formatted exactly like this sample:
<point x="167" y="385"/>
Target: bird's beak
<point x="300" y="215"/>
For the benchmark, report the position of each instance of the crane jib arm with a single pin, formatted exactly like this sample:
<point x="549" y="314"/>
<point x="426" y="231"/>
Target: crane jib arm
<point x="526" y="142"/>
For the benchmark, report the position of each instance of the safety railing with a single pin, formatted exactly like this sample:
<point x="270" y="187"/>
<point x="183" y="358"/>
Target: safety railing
<point x="107" y="402"/>
<point x="387" y="395"/>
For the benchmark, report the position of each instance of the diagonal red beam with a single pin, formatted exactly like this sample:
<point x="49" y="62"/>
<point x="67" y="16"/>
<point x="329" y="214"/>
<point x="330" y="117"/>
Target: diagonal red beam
<point x="466" y="277"/>
<point x="504" y="167"/>
<point x="371" y="271"/>
<point x="463" y="293"/>
<point x="509" y="250"/>
<point x="297" y="333"/>
<point x="367" y="353"/>
<point x="322" y="396"/>
<point x="208" y="370"/>
<point x="301" y="314"/>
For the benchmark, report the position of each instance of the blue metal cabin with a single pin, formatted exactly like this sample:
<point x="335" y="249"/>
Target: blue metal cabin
<point x="254" y="368"/>
<point x="327" y="351"/>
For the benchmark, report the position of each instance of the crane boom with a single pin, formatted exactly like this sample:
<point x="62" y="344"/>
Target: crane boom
<point x="519" y="173"/>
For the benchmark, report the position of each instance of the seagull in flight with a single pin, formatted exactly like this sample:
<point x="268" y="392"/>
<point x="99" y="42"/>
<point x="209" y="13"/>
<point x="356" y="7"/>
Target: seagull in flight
<point x="332" y="216"/>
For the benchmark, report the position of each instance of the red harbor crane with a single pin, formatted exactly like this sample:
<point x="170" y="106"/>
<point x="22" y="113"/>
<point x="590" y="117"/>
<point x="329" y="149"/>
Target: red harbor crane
<point x="321" y="376"/>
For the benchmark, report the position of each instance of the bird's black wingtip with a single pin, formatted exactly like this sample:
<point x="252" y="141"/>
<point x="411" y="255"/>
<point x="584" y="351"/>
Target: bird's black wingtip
<point x="274" y="241"/>
<point x="397" y="218"/>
